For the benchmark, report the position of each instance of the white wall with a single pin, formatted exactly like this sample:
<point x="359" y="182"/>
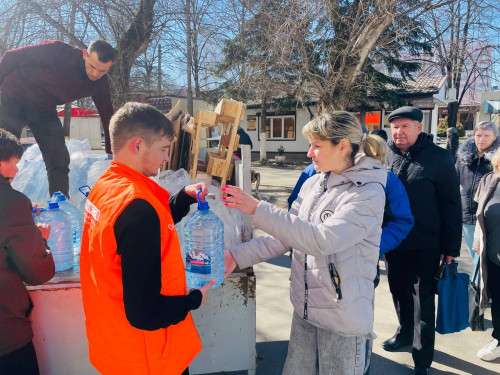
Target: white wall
<point x="300" y="144"/>
<point x="86" y="128"/>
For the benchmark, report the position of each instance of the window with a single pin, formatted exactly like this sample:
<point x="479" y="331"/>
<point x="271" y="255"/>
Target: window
<point x="280" y="127"/>
<point x="251" y="122"/>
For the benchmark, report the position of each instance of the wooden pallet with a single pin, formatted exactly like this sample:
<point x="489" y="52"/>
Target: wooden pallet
<point x="228" y="113"/>
<point x="203" y="119"/>
<point x="175" y="116"/>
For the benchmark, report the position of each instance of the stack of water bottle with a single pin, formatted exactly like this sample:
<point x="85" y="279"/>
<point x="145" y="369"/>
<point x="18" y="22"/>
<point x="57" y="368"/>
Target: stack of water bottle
<point x="64" y="240"/>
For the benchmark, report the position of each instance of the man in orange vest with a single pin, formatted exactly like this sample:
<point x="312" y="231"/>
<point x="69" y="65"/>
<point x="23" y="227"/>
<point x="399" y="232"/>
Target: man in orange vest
<point x="137" y="313"/>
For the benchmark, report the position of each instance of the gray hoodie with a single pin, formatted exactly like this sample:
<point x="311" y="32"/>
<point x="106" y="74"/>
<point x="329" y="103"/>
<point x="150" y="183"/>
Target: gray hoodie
<point x="335" y="234"/>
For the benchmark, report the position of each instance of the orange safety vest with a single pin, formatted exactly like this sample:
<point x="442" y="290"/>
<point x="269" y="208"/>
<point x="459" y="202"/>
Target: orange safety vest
<point x="115" y="347"/>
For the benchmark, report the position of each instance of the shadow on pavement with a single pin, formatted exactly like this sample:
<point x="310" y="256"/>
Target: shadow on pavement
<point x="270" y="359"/>
<point x="383" y="366"/>
<point x="281" y="261"/>
<point x="460" y="365"/>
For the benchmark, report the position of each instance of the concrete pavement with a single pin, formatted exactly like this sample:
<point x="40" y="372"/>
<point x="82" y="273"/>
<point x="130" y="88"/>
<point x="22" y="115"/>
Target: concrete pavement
<point x="278" y="176"/>
<point x="454" y="353"/>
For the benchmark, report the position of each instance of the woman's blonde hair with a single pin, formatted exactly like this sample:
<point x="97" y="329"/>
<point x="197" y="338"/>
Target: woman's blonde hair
<point x="495" y="162"/>
<point x="337" y="125"/>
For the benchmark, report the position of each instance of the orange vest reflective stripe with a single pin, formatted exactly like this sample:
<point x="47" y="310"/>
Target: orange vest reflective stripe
<point x="115" y="347"/>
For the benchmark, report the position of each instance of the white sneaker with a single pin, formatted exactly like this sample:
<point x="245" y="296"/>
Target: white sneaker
<point x="490" y="352"/>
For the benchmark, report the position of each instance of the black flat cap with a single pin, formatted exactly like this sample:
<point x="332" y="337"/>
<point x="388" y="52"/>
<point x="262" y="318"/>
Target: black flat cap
<point x="406" y="112"/>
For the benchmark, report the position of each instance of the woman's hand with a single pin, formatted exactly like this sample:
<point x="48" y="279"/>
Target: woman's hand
<point x="240" y="200"/>
<point x="229" y="263"/>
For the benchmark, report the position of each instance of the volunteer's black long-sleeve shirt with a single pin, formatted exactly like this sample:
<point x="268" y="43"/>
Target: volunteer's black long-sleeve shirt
<point x="138" y="239"/>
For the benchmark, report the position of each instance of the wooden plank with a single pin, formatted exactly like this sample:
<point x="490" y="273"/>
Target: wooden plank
<point x="174" y="116"/>
<point x="230" y="108"/>
<point x="234" y="130"/>
<point x="206" y="119"/>
<point x="195" y="150"/>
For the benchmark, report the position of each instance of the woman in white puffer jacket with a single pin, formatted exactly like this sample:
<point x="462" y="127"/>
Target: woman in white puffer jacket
<point x="334" y="228"/>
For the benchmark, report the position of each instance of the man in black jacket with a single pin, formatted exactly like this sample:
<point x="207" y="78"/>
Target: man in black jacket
<point x="431" y="181"/>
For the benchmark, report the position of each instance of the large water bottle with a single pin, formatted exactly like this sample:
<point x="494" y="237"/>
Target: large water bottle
<point x="61" y="236"/>
<point x="204" y="246"/>
<point x="74" y="214"/>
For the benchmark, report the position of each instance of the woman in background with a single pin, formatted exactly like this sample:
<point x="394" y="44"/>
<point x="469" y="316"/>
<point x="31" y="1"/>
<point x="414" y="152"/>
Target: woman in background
<point x="487" y="245"/>
<point x="473" y="162"/>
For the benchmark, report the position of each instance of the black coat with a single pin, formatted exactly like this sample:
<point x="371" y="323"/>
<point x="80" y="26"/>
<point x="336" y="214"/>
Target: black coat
<point x="471" y="168"/>
<point x="244" y="140"/>
<point x="452" y="145"/>
<point x="431" y="181"/>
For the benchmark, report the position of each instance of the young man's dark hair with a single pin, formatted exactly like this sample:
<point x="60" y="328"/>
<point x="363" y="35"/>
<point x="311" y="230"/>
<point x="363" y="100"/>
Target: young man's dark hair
<point x="104" y="50"/>
<point x="138" y="120"/>
<point x="9" y="146"/>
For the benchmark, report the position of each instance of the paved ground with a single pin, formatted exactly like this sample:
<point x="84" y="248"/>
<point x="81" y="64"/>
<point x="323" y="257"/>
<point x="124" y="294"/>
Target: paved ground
<point x="454" y="353"/>
<point x="278" y="176"/>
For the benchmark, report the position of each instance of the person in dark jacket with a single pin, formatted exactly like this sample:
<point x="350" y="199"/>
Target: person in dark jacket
<point x="430" y="179"/>
<point x="35" y="79"/>
<point x="24" y="258"/>
<point x="244" y="140"/>
<point x="452" y="142"/>
<point x="309" y="171"/>
<point x="473" y="162"/>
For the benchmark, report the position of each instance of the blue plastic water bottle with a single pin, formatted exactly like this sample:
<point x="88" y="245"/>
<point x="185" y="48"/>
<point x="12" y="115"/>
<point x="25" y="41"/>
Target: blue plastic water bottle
<point x="204" y="246"/>
<point x="74" y="214"/>
<point x="61" y="236"/>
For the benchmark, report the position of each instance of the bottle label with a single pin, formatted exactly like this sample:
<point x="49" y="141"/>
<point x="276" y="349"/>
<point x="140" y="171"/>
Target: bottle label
<point x="198" y="262"/>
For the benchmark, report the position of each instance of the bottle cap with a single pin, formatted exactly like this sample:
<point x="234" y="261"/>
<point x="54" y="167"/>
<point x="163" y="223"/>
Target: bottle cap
<point x="58" y="197"/>
<point x="202" y="205"/>
<point x="53" y="205"/>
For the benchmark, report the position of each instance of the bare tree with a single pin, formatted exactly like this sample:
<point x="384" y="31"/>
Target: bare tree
<point x="211" y="23"/>
<point x="465" y="51"/>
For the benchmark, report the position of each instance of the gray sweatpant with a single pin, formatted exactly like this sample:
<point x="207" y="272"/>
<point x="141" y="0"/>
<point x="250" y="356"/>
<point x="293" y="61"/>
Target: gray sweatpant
<point x="313" y="350"/>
